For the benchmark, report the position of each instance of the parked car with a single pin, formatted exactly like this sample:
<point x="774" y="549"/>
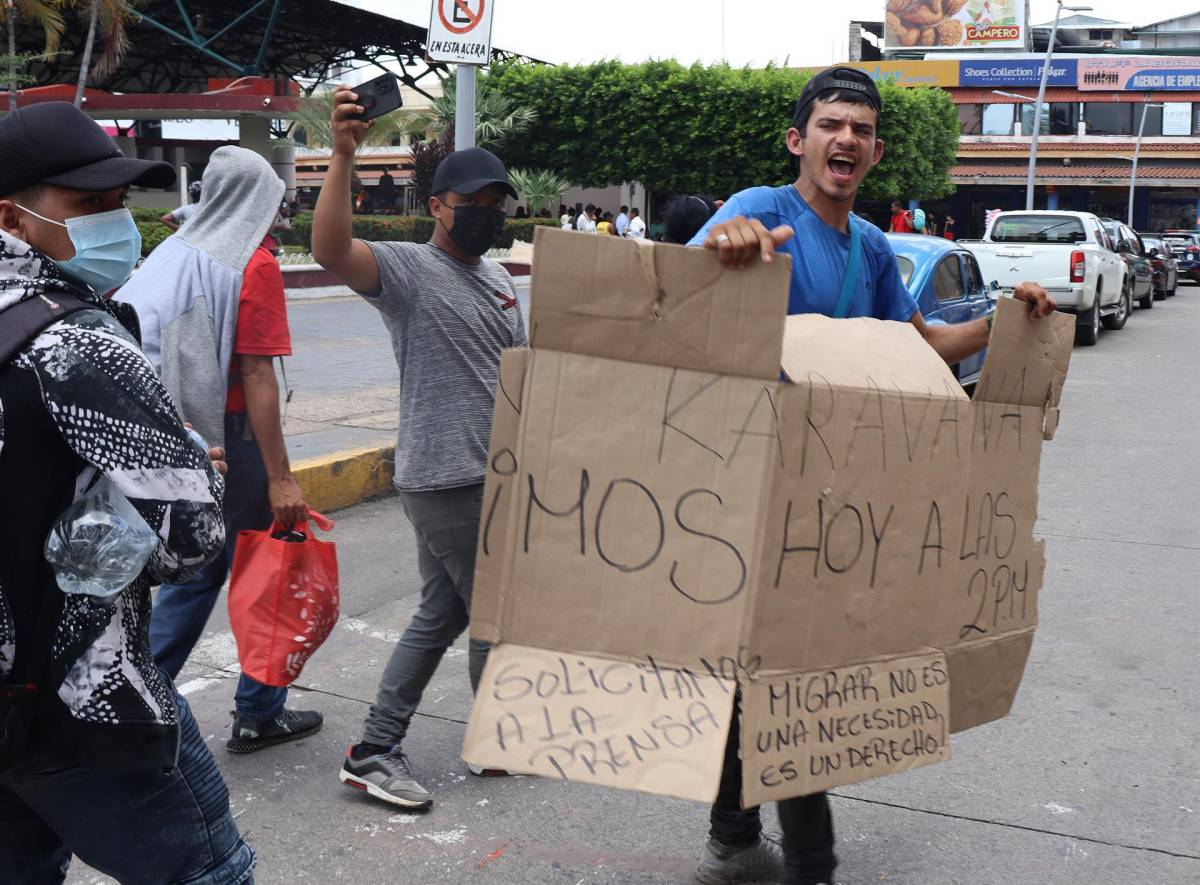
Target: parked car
<point x="1069" y="254"/>
<point x="1186" y="246"/>
<point x="948" y="286"/>
<point x="1163" y="263"/>
<point x="1129" y="246"/>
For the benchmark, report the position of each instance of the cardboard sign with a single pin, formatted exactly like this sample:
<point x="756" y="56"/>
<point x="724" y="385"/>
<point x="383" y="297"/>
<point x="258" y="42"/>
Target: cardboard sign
<point x="601" y="721"/>
<point x="656" y="493"/>
<point x="809" y="732"/>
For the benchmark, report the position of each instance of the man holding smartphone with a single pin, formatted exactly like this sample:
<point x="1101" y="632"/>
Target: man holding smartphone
<point x="450" y="312"/>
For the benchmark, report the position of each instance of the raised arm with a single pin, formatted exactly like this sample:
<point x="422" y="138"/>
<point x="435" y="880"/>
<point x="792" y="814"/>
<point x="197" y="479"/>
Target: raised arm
<point x="333" y="245"/>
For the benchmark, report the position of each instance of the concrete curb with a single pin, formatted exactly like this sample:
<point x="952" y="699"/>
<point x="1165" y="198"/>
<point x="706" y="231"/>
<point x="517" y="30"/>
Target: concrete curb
<point x="343" y="479"/>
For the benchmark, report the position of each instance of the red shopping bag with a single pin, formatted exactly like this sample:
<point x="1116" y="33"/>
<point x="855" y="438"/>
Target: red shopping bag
<point x="283" y="599"/>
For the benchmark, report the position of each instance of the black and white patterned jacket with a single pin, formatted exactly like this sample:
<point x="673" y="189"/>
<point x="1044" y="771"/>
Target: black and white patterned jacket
<point x="79" y="401"/>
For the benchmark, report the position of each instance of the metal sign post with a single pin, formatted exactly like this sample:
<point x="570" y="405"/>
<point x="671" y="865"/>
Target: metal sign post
<point x="460" y="32"/>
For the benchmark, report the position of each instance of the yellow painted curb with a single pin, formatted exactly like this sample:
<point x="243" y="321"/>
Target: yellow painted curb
<point x="343" y="479"/>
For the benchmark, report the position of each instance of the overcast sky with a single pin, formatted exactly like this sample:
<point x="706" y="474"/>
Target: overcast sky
<point x="801" y="33"/>
<point x="804" y="32"/>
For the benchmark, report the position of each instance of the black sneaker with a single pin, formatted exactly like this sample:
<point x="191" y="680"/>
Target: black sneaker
<point x="290" y="725"/>
<point x="385" y="776"/>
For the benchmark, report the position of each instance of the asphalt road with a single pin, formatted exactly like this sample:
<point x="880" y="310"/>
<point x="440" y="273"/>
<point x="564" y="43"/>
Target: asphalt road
<point x="343" y="374"/>
<point x="1094" y="778"/>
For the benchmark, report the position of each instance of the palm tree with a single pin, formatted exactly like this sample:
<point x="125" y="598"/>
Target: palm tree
<point x="115" y="17"/>
<point x="497" y="117"/>
<point x="313" y="119"/>
<point x="41" y="13"/>
<point x="539" y="187"/>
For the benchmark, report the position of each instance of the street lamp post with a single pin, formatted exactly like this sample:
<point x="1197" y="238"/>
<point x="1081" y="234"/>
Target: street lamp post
<point x="1137" y="149"/>
<point x="1041" y="98"/>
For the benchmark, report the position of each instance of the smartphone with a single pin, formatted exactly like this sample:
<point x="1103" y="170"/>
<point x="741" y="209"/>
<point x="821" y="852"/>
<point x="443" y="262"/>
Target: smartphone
<point x="378" y="97"/>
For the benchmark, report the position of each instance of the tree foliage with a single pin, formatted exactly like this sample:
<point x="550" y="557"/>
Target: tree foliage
<point x="498" y="117"/>
<point x="701" y="129"/>
<point x="539" y="188"/>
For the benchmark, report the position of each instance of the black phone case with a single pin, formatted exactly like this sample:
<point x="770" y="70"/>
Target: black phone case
<point x="378" y="97"/>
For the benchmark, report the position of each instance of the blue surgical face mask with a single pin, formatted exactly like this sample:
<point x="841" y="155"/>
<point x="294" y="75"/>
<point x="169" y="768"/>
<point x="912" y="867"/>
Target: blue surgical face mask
<point x="107" y="247"/>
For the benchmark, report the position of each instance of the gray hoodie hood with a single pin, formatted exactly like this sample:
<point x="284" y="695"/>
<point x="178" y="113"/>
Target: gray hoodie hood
<point x="187" y="292"/>
<point x="239" y="202"/>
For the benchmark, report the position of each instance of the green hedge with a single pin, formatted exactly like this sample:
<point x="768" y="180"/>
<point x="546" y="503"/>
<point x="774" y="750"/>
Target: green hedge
<point x="399" y="228"/>
<point x="153" y="233"/>
<point x="407" y="229"/>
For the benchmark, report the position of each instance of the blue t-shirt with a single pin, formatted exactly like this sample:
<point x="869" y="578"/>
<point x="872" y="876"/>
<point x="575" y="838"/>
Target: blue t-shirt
<point x="820" y="255"/>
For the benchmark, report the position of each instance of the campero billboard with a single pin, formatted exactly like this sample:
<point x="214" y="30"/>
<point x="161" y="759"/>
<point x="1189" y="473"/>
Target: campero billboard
<point x="954" y="24"/>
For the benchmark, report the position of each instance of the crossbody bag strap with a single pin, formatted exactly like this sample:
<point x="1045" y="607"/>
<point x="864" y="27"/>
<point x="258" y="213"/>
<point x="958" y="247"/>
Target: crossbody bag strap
<point x="853" y="268"/>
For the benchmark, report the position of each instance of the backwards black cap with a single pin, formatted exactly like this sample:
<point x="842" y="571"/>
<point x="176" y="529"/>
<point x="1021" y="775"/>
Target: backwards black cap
<point x="56" y="143"/>
<point x="471" y="170"/>
<point x="848" y="79"/>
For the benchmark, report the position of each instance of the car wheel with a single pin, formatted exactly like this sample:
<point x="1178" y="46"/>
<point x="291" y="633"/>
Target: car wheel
<point x="1146" y="302"/>
<point x="1087" y="325"/>
<point x="1115" y="321"/>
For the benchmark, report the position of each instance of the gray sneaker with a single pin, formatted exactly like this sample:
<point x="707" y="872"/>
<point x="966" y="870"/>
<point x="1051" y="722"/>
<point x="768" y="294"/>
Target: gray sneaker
<point x="386" y="776"/>
<point x="726" y="865"/>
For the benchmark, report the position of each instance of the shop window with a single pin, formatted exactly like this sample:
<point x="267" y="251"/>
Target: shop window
<point x="1027" y="119"/>
<point x="1110" y="118"/>
<point x="970" y="119"/>
<point x="998" y="119"/>
<point x="1154" y="120"/>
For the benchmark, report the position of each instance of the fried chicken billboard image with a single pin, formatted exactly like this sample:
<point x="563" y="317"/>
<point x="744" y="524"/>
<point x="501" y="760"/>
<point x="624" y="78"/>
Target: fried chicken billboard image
<point x="953" y="24"/>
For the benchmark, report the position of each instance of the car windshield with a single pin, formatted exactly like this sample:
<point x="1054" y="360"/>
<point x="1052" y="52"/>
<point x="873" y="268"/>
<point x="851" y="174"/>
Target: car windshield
<point x="1038" y="229"/>
<point x="906" y="267"/>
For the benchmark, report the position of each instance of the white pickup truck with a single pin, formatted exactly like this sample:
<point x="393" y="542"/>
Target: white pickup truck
<point x="1070" y="254"/>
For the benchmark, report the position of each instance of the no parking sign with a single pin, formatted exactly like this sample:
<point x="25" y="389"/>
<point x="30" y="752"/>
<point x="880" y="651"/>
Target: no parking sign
<point x="460" y="31"/>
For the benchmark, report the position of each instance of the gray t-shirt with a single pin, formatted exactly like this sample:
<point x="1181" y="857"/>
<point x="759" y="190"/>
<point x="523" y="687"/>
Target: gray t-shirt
<point x="448" y="322"/>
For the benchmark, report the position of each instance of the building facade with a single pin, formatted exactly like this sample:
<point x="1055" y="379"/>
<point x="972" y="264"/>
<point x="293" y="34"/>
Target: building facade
<point x="1095" y="107"/>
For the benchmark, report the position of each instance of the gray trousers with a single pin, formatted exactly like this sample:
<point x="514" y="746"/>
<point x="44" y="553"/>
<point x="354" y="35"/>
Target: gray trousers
<point x="446" y="522"/>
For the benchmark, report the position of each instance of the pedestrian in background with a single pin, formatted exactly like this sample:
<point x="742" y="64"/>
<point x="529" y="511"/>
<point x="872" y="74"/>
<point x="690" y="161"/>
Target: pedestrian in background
<point x="176" y="217"/>
<point x="637" y="227"/>
<point x="606" y="226"/>
<point x="450" y="313"/>
<point x="902" y="222"/>
<point x="948" y="227"/>
<point x="564" y="217"/>
<point x="685" y="215"/>
<point x="622" y="221"/>
<point x="214" y="319"/>
<point x="586" y="221"/>
<point x="114" y="769"/>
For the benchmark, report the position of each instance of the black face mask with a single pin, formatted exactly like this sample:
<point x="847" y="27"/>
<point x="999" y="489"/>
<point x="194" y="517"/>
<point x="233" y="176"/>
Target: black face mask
<point x="476" y="228"/>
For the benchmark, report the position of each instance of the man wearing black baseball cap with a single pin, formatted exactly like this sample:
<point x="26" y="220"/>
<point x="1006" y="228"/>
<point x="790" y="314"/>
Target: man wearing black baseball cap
<point x="842" y="266"/>
<point x="99" y="755"/>
<point x="450" y="312"/>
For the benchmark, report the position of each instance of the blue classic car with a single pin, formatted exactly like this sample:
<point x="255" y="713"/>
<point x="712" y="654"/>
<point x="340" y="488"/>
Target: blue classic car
<point x="945" y="280"/>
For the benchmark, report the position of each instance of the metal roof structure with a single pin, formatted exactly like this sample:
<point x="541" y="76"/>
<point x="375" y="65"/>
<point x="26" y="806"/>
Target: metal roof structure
<point x="178" y="45"/>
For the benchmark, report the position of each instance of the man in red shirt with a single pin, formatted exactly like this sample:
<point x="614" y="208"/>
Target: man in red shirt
<point x="216" y="283"/>
<point x="901" y="219"/>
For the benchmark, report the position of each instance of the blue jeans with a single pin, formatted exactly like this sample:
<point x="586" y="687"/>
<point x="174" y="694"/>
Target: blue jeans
<point x="140" y="827"/>
<point x="181" y="610"/>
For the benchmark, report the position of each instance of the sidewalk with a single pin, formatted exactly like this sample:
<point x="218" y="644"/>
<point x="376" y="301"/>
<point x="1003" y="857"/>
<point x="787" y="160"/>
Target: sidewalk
<point x="1016" y="805"/>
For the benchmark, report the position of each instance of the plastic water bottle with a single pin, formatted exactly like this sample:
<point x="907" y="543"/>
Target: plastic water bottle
<point x="100" y="544"/>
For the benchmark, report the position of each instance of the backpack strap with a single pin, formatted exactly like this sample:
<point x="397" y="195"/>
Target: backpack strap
<point x="853" y="267"/>
<point x="26" y="319"/>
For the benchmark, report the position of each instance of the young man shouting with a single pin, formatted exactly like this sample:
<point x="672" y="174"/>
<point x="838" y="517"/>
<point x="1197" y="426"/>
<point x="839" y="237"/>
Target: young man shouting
<point x="450" y="312"/>
<point x="833" y="142"/>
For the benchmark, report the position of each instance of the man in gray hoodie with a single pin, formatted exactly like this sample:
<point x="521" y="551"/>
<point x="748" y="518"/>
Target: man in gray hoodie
<point x="213" y="315"/>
